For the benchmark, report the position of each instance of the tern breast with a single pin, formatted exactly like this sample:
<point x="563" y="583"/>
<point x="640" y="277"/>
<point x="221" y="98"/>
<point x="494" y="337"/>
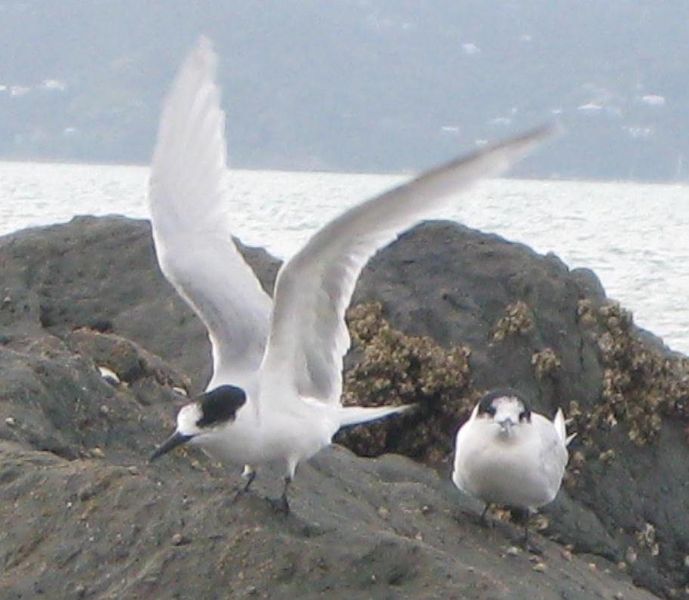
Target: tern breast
<point x="524" y="469"/>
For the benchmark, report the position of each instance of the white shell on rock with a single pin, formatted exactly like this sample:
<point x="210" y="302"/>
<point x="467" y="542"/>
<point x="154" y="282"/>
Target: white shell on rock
<point x="109" y="375"/>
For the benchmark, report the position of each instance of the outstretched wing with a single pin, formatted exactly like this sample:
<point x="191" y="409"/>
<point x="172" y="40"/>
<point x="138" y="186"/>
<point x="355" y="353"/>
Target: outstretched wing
<point x="308" y="336"/>
<point x="191" y="227"/>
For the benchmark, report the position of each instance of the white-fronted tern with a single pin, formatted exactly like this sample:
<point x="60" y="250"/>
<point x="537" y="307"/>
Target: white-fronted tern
<point x="274" y="396"/>
<point x="508" y="455"/>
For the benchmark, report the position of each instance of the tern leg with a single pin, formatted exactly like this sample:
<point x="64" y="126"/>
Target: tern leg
<point x="526" y="534"/>
<point x="250" y="474"/>
<point x="524" y="515"/>
<point x="281" y="504"/>
<point x="483" y="520"/>
<point x="529" y="546"/>
<point x="283" y="498"/>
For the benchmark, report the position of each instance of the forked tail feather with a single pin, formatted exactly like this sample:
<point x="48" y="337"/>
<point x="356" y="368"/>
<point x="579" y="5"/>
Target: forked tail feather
<point x="561" y="427"/>
<point x="353" y="415"/>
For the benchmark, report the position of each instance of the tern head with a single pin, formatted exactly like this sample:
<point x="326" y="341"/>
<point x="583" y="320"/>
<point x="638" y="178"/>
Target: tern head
<point x="507" y="408"/>
<point x="212" y="410"/>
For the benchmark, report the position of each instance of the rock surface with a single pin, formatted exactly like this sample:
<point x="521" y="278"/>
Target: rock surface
<point x="78" y="499"/>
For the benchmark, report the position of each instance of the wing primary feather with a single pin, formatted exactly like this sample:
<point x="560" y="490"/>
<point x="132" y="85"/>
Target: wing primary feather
<point x="191" y="225"/>
<point x="308" y="336"/>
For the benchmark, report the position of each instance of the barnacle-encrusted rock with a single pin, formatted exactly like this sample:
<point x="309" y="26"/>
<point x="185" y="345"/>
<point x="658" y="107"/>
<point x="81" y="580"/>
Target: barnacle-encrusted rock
<point x="545" y="363"/>
<point x="586" y="312"/>
<point x="395" y="368"/>
<point x="646" y="538"/>
<point x="641" y="383"/>
<point x="518" y="319"/>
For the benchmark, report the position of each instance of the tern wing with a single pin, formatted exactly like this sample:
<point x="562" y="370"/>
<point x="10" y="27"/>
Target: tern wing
<point x="553" y="453"/>
<point x="464" y="434"/>
<point x="191" y="227"/>
<point x="309" y="336"/>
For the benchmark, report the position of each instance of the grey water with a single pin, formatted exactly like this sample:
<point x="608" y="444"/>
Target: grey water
<point x="634" y="236"/>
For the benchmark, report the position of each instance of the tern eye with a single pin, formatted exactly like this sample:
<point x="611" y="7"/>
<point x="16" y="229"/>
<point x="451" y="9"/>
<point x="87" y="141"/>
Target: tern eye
<point x="490" y="410"/>
<point x="525" y="415"/>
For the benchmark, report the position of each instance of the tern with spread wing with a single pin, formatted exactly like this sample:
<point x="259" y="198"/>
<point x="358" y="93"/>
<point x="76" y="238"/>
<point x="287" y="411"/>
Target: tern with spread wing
<point x="274" y="396"/>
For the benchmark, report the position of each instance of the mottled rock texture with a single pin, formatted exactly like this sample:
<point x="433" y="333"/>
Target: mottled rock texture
<point x="459" y="312"/>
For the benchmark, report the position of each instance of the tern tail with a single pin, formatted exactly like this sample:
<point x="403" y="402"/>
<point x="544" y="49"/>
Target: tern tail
<point x="353" y="415"/>
<point x="561" y="427"/>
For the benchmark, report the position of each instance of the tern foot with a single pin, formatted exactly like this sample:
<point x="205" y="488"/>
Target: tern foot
<point x="470" y="516"/>
<point x="462" y="516"/>
<point x="527" y="542"/>
<point x="239" y="493"/>
<point x="522" y="516"/>
<point x="532" y="548"/>
<point x="250" y="475"/>
<point x="280" y="505"/>
<point x="528" y="545"/>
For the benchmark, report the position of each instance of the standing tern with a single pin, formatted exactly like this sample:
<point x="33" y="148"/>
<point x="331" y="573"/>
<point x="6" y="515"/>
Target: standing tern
<point x="274" y="396"/>
<point x="506" y="454"/>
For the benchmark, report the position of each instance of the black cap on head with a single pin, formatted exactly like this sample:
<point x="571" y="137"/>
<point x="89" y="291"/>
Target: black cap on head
<point x="485" y="405"/>
<point x="220" y="405"/>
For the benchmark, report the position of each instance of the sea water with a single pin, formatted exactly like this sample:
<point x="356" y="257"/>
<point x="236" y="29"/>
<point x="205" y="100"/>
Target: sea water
<point x="634" y="236"/>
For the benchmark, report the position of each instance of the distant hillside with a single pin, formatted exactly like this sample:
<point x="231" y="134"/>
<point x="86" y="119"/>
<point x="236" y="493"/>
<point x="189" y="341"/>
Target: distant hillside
<point x="359" y="85"/>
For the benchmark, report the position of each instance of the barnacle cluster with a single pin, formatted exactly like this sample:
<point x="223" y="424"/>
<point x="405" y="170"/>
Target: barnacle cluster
<point x="518" y="319"/>
<point x="641" y="383"/>
<point x="545" y="363"/>
<point x="587" y="313"/>
<point x="575" y="467"/>
<point x="395" y="368"/>
<point x="646" y="538"/>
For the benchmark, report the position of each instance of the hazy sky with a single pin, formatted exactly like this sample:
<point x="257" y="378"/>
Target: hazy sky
<point x="363" y="85"/>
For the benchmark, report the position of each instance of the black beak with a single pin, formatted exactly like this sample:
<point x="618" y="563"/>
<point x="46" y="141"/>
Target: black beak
<point x="176" y="439"/>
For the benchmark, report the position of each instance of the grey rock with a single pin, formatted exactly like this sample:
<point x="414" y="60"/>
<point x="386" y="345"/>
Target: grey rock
<point x="89" y="293"/>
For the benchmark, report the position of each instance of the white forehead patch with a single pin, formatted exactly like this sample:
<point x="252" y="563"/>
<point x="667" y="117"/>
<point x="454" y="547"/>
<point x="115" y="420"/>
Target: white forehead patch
<point x="187" y="417"/>
<point x="507" y="401"/>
